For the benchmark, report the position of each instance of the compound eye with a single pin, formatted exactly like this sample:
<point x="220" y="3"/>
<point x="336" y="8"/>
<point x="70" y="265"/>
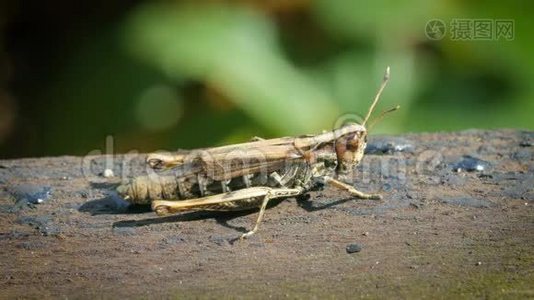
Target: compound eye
<point x="330" y="164"/>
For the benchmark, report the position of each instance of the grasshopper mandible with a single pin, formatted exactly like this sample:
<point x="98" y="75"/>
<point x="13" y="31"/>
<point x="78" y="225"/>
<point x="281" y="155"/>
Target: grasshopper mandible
<point x="248" y="175"/>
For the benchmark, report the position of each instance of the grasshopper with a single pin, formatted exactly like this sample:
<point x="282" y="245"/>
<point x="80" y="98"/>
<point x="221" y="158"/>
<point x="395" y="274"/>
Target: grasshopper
<point x="248" y="175"/>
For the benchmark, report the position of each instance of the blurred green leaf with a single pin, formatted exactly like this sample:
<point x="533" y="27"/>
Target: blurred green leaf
<point x="235" y="50"/>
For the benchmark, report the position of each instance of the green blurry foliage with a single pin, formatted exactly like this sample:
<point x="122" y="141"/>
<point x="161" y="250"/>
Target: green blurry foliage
<point x="236" y="51"/>
<point x="216" y="72"/>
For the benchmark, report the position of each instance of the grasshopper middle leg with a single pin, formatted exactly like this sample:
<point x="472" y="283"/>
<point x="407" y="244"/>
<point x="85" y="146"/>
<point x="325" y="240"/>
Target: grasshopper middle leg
<point x="227" y="201"/>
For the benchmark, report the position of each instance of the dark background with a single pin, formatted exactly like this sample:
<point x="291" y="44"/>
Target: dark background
<point x="183" y="74"/>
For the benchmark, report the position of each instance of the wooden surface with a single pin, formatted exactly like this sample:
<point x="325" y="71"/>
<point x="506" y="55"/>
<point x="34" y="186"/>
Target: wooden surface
<point x="457" y="219"/>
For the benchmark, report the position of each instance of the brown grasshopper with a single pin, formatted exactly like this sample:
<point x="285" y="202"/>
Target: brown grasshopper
<point x="248" y="175"/>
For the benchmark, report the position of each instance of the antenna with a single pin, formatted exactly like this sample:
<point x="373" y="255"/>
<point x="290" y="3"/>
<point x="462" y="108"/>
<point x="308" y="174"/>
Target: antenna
<point x="382" y="86"/>
<point x="381" y="116"/>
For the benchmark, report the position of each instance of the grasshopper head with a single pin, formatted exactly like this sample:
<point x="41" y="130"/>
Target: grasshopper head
<point x="350" y="144"/>
<point x="349" y="147"/>
<point x="351" y="139"/>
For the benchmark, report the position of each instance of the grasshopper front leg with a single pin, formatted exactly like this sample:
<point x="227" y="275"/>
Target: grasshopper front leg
<point x="227" y="201"/>
<point x="341" y="185"/>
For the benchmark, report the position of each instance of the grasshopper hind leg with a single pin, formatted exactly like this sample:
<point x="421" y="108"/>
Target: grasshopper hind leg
<point x="227" y="201"/>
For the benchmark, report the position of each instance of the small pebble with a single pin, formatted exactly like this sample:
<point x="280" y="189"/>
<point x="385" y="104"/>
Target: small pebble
<point x="389" y="146"/>
<point x="30" y="194"/>
<point x="470" y="164"/>
<point x="479" y="263"/>
<point x="365" y="233"/>
<point x="108" y="173"/>
<point x="353" y="248"/>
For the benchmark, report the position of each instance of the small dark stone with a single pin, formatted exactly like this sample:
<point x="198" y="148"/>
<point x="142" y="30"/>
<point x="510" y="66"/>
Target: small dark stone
<point x="470" y="164"/>
<point x="30" y="194"/>
<point x="389" y="145"/>
<point x="353" y="248"/>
